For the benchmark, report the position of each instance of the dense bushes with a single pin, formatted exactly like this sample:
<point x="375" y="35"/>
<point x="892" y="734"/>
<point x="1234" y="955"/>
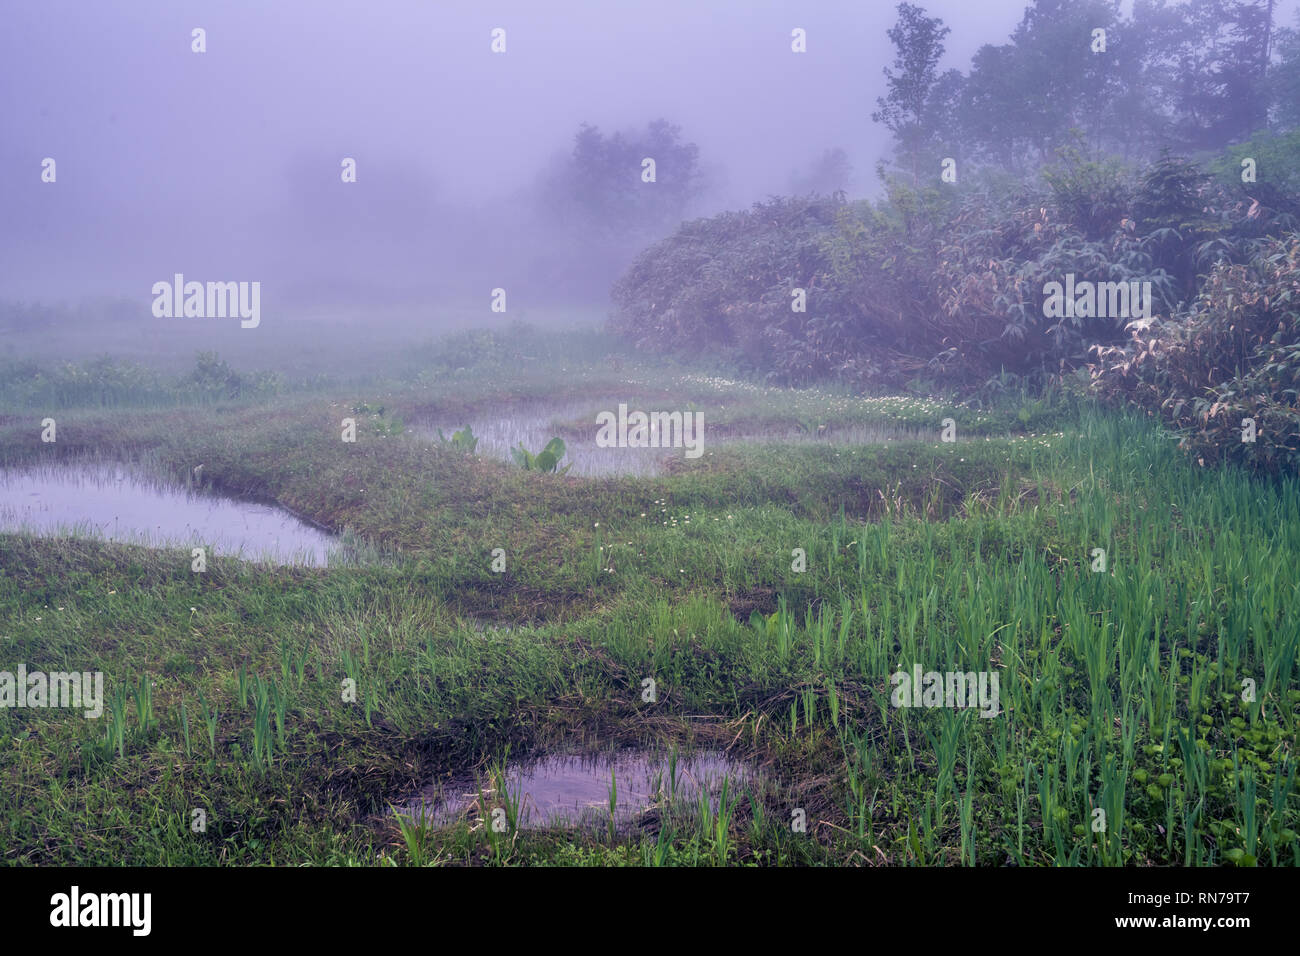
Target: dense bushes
<point x="1234" y="356"/>
<point x="995" y="265"/>
<point x="945" y="284"/>
<point x="725" y="284"/>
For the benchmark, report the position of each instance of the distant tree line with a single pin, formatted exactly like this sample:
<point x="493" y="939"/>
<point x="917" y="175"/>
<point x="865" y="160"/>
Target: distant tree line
<point x="1192" y="76"/>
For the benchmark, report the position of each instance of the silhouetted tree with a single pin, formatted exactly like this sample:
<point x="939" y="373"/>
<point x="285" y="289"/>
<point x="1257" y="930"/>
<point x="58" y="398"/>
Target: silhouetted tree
<point x="604" y="178"/>
<point x="1207" y="69"/>
<point x="907" y="110"/>
<point x="1024" y="100"/>
<point x="829" y="174"/>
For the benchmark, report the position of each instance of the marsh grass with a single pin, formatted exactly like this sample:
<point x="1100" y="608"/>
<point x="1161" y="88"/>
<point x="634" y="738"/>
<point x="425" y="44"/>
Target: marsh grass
<point x="1121" y="691"/>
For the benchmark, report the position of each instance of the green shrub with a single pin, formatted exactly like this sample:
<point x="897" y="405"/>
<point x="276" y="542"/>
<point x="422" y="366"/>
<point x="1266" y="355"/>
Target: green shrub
<point x="548" y="459"/>
<point x="1234" y="356"/>
<point x="213" y="377"/>
<point x="463" y="441"/>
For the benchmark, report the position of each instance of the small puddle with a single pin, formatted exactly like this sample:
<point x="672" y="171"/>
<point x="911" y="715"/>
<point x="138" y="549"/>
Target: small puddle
<point x="574" y="791"/>
<point x="126" y="504"/>
<point x="575" y="422"/>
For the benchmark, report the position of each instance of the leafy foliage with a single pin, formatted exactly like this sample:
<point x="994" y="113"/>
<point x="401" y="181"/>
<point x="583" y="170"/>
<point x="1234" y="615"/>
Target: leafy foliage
<point x="462" y="441"/>
<point x="548" y="459"/>
<point x="214" y="376"/>
<point x="1234" y="356"/>
<point x="946" y="285"/>
<point x="380" y="421"/>
<point x="727" y="282"/>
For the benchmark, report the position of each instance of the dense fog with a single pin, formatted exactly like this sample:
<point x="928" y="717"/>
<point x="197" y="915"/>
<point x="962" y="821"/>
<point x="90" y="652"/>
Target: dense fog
<point x="226" y="164"/>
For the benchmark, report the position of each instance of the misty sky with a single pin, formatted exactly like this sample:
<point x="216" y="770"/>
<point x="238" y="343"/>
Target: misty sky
<point x="226" y="164"/>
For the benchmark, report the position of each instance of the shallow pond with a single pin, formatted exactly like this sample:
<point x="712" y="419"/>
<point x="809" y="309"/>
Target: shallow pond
<point x="127" y="504"/>
<point x="570" y="790"/>
<point x="500" y="430"/>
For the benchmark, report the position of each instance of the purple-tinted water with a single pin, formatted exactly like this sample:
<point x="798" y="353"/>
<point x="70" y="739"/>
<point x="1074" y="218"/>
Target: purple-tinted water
<point x="569" y="790"/>
<point x="121" y="503"/>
